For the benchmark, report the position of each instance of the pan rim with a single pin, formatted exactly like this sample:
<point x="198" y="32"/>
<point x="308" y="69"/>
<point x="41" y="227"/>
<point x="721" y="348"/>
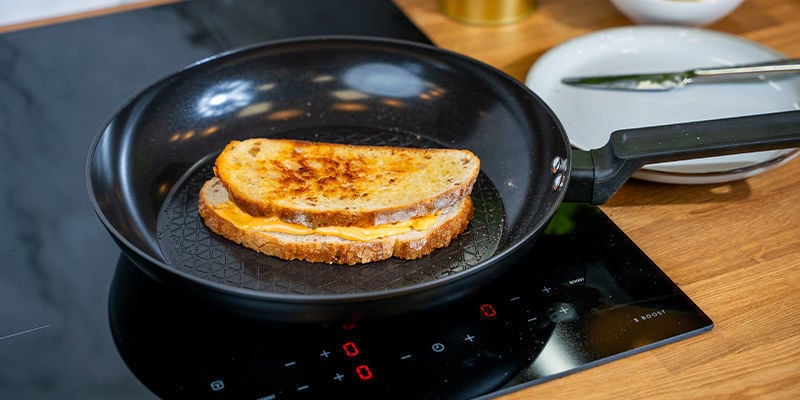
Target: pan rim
<point x="156" y="267"/>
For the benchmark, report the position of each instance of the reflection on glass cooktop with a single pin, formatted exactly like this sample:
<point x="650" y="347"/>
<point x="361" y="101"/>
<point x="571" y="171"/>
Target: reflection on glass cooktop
<point x="584" y="295"/>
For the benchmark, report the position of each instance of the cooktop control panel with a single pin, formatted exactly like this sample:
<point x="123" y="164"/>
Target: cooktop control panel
<point x="460" y="352"/>
<point x="582" y="296"/>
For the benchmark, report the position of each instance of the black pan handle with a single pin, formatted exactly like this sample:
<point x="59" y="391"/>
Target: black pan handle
<point x="598" y="174"/>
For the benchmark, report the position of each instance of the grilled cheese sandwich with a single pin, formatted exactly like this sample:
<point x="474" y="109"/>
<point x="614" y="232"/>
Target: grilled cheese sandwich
<point x="336" y="203"/>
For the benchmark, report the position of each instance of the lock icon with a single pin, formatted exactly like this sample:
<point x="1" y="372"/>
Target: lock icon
<point x="217" y="385"/>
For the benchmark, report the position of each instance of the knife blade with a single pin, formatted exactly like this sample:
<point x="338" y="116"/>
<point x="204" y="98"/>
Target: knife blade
<point x="661" y="81"/>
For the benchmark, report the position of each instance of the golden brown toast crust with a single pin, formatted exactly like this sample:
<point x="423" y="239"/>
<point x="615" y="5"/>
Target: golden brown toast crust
<point x="321" y="184"/>
<point x="333" y="250"/>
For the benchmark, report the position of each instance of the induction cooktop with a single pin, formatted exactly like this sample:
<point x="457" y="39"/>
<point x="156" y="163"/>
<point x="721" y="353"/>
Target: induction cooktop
<point x="78" y="320"/>
<point x="584" y="295"/>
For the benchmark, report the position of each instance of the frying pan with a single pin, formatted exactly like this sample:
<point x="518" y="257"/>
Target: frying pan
<point x="145" y="168"/>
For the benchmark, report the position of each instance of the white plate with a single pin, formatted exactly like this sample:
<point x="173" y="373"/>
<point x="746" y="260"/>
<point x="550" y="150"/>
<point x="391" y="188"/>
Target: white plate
<point x="589" y="116"/>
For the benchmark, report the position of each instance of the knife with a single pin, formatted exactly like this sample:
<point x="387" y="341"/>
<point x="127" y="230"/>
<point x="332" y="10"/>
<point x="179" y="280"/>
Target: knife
<point x="661" y="81"/>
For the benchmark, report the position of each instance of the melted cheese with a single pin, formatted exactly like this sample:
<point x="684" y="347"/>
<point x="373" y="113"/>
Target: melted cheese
<point x="245" y="221"/>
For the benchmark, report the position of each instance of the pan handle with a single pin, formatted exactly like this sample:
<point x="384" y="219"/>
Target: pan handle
<point x="597" y="174"/>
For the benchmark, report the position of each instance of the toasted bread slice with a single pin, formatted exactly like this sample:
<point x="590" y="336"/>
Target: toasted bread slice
<point x="449" y="223"/>
<point x="319" y="184"/>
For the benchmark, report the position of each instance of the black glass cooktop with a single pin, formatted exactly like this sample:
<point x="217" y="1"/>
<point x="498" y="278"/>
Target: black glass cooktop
<point x="79" y="321"/>
<point x="585" y="295"/>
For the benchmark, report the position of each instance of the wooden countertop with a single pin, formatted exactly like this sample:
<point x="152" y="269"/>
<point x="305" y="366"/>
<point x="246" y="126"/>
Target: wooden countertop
<point x="733" y="248"/>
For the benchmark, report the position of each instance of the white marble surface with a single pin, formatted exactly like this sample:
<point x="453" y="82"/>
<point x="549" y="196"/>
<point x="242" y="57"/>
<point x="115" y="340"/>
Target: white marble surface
<point x="19" y="11"/>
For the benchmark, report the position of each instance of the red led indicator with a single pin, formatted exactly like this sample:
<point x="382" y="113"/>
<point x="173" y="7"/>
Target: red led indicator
<point x="363" y="372"/>
<point x="350" y="349"/>
<point x="488" y="311"/>
<point x="349" y="326"/>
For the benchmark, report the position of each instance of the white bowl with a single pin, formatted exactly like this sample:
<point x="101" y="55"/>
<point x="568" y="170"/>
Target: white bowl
<point x="677" y="12"/>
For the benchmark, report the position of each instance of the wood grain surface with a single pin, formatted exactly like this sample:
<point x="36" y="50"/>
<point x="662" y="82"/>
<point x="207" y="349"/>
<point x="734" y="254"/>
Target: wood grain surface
<point x="734" y="248"/>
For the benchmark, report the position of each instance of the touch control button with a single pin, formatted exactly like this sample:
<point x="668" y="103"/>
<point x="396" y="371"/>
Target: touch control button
<point x="339" y="377"/>
<point x="324" y="354"/>
<point x="562" y="312"/>
<point x="217" y="385"/>
<point x="438" y="347"/>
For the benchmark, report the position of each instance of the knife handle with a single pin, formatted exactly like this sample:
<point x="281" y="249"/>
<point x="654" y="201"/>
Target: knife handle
<point x="790" y="66"/>
<point x="597" y="174"/>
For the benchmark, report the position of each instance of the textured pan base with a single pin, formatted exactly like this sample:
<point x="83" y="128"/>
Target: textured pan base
<point x="192" y="248"/>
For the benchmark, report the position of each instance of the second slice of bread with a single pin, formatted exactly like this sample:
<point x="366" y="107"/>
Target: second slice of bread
<point x="451" y="222"/>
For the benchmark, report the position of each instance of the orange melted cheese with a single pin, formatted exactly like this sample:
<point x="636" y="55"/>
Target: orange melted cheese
<point x="245" y="221"/>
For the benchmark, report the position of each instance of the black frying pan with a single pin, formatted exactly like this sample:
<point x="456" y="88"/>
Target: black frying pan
<point x="146" y="166"/>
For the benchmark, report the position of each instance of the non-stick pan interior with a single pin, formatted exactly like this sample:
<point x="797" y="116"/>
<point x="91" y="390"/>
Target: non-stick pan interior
<point x="154" y="152"/>
<point x="190" y="247"/>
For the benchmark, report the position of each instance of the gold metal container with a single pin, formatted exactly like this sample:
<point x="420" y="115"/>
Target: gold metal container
<point x="488" y="11"/>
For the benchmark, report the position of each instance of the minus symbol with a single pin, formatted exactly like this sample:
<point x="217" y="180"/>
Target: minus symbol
<point x="532" y="319"/>
<point x="290" y="364"/>
<point x="405" y="357"/>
